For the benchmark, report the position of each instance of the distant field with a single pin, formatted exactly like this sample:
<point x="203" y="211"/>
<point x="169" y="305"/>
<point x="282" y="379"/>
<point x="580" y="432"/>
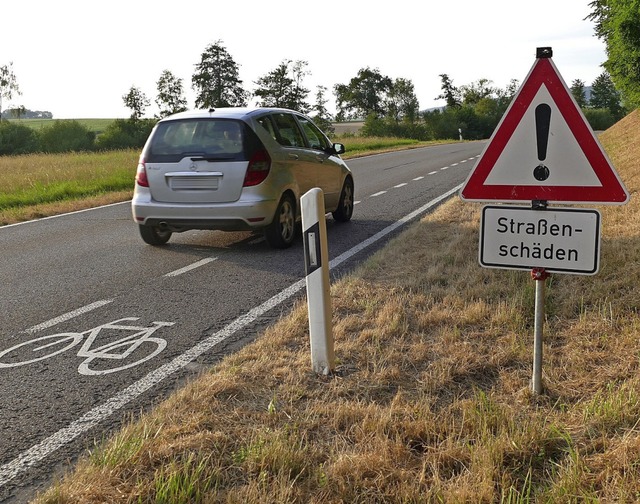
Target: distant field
<point x="97" y="125"/>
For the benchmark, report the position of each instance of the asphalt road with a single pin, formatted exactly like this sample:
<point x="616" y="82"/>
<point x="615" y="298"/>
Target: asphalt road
<point x="125" y="323"/>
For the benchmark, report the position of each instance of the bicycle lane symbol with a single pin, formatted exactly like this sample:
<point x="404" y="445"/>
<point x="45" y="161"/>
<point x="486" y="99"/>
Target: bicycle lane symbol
<point x="128" y="351"/>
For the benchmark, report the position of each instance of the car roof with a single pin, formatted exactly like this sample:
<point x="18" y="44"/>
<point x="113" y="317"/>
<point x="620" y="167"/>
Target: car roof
<point x="227" y="113"/>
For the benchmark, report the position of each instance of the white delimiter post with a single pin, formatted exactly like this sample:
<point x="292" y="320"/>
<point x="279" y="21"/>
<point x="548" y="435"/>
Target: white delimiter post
<point x="316" y="255"/>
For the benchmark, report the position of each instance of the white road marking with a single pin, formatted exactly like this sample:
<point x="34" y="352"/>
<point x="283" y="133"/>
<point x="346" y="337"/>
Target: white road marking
<point x="65" y="214"/>
<point x="445" y="167"/>
<point x="400" y="185"/>
<point x="418" y="178"/>
<point x="380" y="193"/>
<point x="68" y="316"/>
<point x="190" y="267"/>
<point x="93" y="417"/>
<point x="432" y="173"/>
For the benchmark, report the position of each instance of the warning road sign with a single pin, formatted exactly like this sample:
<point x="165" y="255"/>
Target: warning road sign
<point x="544" y="149"/>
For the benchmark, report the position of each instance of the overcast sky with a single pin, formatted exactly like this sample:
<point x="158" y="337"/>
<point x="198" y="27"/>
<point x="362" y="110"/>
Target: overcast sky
<point x="76" y="58"/>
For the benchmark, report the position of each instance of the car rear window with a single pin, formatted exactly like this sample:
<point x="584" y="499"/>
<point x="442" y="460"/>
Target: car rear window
<point x="224" y="139"/>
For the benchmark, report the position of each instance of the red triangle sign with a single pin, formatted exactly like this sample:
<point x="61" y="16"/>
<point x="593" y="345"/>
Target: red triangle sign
<point x="544" y="149"/>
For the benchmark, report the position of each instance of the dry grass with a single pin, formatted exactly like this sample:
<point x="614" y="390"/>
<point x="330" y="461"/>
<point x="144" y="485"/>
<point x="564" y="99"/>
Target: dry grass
<point x="430" y="401"/>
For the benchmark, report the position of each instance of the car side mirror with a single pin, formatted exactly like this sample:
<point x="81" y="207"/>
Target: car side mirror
<point x="338" y="148"/>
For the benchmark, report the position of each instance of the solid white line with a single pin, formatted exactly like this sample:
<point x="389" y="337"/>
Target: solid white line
<point x="191" y="266"/>
<point x="65" y="214"/>
<point x="68" y="316"/>
<point x="38" y="452"/>
<point x="378" y="194"/>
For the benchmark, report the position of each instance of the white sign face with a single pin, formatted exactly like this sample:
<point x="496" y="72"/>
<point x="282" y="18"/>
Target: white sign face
<point x="561" y="240"/>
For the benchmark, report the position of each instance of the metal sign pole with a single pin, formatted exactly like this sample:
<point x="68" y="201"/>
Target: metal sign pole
<point x="540" y="277"/>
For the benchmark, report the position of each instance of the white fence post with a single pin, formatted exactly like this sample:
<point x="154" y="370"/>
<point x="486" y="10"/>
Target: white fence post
<point x="316" y="254"/>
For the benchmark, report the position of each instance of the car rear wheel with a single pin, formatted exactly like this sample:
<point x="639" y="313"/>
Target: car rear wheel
<point x="282" y="231"/>
<point x="345" y="206"/>
<point x="153" y="235"/>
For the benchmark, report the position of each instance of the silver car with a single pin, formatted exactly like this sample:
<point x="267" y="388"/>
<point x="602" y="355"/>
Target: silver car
<point x="237" y="169"/>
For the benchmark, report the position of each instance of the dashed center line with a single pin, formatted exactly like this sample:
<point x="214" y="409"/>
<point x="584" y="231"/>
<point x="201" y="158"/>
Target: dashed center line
<point x="380" y="193"/>
<point x="191" y="266"/>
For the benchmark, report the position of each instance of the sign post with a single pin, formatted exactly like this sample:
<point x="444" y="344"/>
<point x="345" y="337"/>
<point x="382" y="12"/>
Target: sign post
<point x="542" y="150"/>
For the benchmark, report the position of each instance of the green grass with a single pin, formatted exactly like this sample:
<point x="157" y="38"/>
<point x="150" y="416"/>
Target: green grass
<point x="38" y="179"/>
<point x="95" y="125"/>
<point x="38" y="185"/>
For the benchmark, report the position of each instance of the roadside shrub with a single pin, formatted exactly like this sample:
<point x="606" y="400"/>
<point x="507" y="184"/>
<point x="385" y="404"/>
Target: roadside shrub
<point x="447" y="123"/>
<point x="125" y="134"/>
<point x="66" y="136"/>
<point x="388" y="127"/>
<point x="17" y="139"/>
<point x="599" y="119"/>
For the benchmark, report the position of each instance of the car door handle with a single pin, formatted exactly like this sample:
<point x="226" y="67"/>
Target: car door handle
<point x="293" y="156"/>
<point x="320" y="159"/>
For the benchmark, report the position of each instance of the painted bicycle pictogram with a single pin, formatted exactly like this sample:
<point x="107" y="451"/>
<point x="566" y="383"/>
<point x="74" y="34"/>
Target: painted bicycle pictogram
<point x="128" y="351"/>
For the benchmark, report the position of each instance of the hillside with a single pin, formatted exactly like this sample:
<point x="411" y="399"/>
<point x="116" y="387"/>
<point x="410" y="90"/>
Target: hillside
<point x="431" y="399"/>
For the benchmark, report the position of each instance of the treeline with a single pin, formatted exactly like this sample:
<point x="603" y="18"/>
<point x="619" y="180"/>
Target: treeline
<point x="72" y="136"/>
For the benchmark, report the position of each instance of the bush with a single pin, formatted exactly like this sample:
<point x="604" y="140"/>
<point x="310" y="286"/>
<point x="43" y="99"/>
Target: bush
<point x="17" y="139"/>
<point x="388" y="127"/>
<point x="125" y="134"/>
<point x="599" y="119"/>
<point x="66" y="136"/>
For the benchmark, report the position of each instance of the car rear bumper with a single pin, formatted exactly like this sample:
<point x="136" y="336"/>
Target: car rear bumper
<point x="240" y="215"/>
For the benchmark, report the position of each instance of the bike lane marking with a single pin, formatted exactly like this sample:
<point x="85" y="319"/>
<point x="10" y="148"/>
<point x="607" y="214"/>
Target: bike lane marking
<point x="93" y="417"/>
<point x="195" y="265"/>
<point x="68" y="316"/>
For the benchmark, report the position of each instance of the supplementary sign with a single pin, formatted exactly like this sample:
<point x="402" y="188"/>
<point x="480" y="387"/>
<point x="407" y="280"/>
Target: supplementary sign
<point x="544" y="149"/>
<point x="562" y="240"/>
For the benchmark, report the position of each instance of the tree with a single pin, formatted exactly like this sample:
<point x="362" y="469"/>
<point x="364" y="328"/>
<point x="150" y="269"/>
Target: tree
<point x="170" y="99"/>
<point x="8" y="84"/>
<point x="617" y="23"/>
<point x="477" y="91"/>
<point x="283" y="87"/>
<point x="450" y="94"/>
<point x="137" y="101"/>
<point x="577" y="90"/>
<point x="605" y="96"/>
<point x="364" y="95"/>
<point x="216" y="79"/>
<point x="402" y="102"/>
<point x="322" y="117"/>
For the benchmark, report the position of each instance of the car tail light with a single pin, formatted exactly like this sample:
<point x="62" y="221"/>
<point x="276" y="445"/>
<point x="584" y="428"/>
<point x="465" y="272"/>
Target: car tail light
<point x="141" y="175"/>
<point x="258" y="169"/>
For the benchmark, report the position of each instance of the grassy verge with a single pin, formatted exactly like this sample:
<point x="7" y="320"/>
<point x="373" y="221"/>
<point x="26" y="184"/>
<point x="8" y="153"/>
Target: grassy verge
<point x="430" y="401"/>
<point x="40" y="185"/>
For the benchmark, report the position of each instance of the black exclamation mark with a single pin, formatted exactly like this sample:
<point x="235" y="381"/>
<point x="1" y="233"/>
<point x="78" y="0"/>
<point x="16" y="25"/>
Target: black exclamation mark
<point x="543" y="119"/>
